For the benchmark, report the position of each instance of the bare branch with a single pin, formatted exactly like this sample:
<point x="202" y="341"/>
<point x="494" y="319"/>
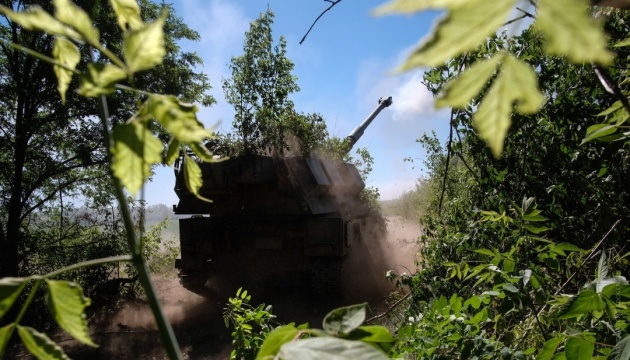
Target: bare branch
<point x="332" y="4"/>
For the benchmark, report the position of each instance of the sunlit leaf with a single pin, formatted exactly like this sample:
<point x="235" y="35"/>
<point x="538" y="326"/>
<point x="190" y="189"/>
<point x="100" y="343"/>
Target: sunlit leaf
<point x="578" y="348"/>
<point x="617" y="289"/>
<point x="614" y="107"/>
<point x="621" y="351"/>
<point x="413" y="6"/>
<point x="192" y="177"/>
<point x="40" y="345"/>
<point x="275" y="340"/>
<point x="37" y="19"/>
<point x="586" y="302"/>
<point x="70" y="14"/>
<point x="5" y="335"/>
<point x="371" y="333"/>
<point x="144" y="48"/>
<point x="329" y="348"/>
<point x="128" y="14"/>
<point x="517" y="83"/>
<point x="100" y="79"/>
<point x="459" y="91"/>
<point x="10" y="289"/>
<point x="344" y="319"/>
<point x="202" y="152"/>
<point x="172" y="151"/>
<point x="622" y="43"/>
<point x="134" y="150"/>
<point x="463" y="28"/>
<point x="67" y="305"/>
<point x="571" y="32"/>
<point x="598" y="131"/>
<point x="68" y="54"/>
<point x="549" y="348"/>
<point x="178" y="118"/>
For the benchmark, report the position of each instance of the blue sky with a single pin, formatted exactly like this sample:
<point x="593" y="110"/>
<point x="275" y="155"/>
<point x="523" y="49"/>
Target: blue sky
<point x="345" y="65"/>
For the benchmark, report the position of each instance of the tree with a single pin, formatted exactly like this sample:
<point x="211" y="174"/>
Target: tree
<point x="51" y="151"/>
<point x="260" y="87"/>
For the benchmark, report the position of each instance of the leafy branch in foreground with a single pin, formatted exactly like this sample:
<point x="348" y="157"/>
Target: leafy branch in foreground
<point x="132" y="146"/>
<point x="566" y="25"/>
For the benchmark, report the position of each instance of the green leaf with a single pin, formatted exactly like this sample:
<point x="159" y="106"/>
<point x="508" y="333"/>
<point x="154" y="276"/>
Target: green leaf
<point x="568" y="247"/>
<point x="578" y="348"/>
<point x="549" y="348"/>
<point x="275" y="340"/>
<point x="144" y="48"/>
<point x="10" y="289"/>
<point x="177" y="117"/>
<point x="70" y="14"/>
<point x="458" y="92"/>
<point x="40" y="345"/>
<point x="128" y="14"/>
<point x="135" y="149"/>
<point x="536" y="229"/>
<point x="474" y="301"/>
<point x="621" y="351"/>
<point x="571" y="32"/>
<point x="172" y="152"/>
<point x="371" y="333"/>
<point x="412" y="6"/>
<point x="67" y="305"/>
<point x="485" y="252"/>
<point x="511" y="288"/>
<point x="192" y="177"/>
<point x="329" y="348"/>
<point x="597" y="131"/>
<point x="518" y="83"/>
<point x="5" y="335"/>
<point x="202" y="152"/>
<point x="622" y="43"/>
<point x="100" y="79"/>
<point x="586" y="302"/>
<point x="614" y="107"/>
<point x="344" y="319"/>
<point x="616" y="289"/>
<point x="465" y="26"/>
<point x="37" y="19"/>
<point x="68" y="54"/>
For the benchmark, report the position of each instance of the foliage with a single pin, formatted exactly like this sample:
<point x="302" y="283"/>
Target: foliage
<point x="132" y="146"/>
<point x="260" y="87"/>
<point x="251" y="325"/>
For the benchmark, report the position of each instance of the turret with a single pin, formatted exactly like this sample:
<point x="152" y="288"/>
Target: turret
<point x="356" y="134"/>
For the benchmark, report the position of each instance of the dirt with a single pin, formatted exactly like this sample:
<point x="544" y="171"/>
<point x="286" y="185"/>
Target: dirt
<point x="131" y="332"/>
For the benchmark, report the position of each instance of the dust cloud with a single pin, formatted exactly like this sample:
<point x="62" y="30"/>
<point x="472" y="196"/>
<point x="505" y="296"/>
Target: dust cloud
<point x="131" y="333"/>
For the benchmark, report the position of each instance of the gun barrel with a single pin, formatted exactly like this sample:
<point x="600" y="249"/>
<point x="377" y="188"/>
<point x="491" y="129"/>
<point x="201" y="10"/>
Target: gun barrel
<point x="356" y="134"/>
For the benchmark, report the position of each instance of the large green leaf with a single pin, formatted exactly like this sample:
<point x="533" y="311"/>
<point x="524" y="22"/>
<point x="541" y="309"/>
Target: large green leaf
<point x="70" y="14"/>
<point x="371" y="333"/>
<point x="621" y="351"/>
<point x="517" y="83"/>
<point x="177" y="117"/>
<point x="275" y="340"/>
<point x="459" y="91"/>
<point x="329" y="348"/>
<point x="40" y="345"/>
<point x="144" y="48"/>
<point x="571" y="32"/>
<point x="67" y="305"/>
<point x="463" y="28"/>
<point x="10" y="289"/>
<point x="5" y="335"/>
<point x="598" y="131"/>
<point x="616" y="289"/>
<point x="37" y="19"/>
<point x="100" y="79"/>
<point x="172" y="151"/>
<point x="134" y="150"/>
<point x="549" y="347"/>
<point x="192" y="177"/>
<point x="586" y="302"/>
<point x="578" y="348"/>
<point x="128" y="14"/>
<point x="68" y="54"/>
<point x="345" y="319"/>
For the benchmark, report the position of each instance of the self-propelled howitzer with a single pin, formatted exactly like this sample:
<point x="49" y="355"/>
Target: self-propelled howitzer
<point x="271" y="218"/>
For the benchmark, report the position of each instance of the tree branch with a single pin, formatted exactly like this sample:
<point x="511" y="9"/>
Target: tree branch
<point x="332" y="4"/>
